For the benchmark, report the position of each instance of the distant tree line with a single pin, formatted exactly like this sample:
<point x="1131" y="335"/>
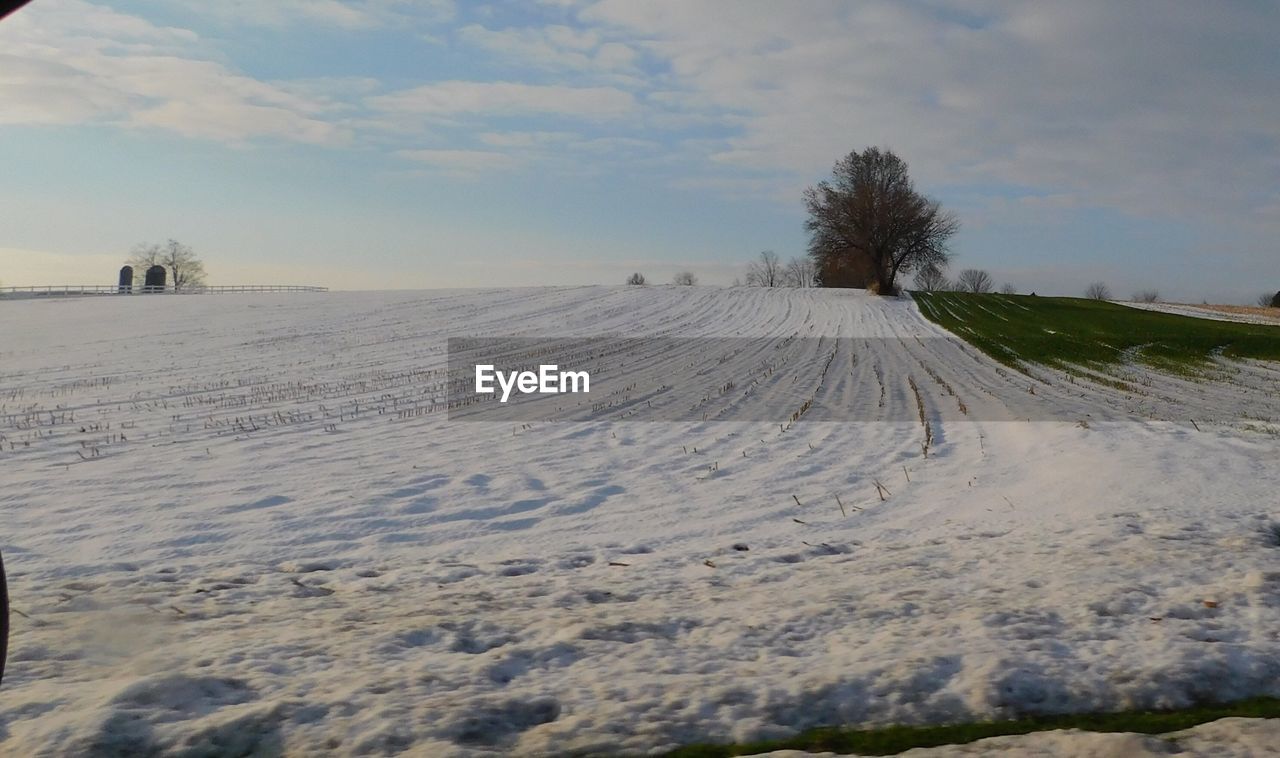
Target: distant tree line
<point x="768" y="270"/>
<point x="684" y="279"/>
<point x="932" y="279"/>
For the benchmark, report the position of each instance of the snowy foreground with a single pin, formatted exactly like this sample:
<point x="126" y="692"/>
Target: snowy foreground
<point x="225" y="534"/>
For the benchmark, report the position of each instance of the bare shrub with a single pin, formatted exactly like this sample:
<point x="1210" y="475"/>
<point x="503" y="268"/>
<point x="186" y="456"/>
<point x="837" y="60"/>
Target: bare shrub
<point x="801" y="272"/>
<point x="931" y="279"/>
<point x="1098" y="291"/>
<point x="766" y="271"/>
<point x="974" y="280"/>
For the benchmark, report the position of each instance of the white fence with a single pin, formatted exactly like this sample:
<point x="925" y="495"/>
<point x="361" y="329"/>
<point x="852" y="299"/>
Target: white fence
<point x="57" y="290"/>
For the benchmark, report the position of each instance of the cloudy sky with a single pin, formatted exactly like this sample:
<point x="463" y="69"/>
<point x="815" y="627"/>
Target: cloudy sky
<point x="424" y="143"/>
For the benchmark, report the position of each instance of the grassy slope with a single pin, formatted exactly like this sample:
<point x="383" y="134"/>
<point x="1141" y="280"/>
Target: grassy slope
<point x="896" y="739"/>
<point x="1059" y="331"/>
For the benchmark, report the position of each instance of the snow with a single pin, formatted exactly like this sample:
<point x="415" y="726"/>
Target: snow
<point x="1203" y="311"/>
<point x="223" y="536"/>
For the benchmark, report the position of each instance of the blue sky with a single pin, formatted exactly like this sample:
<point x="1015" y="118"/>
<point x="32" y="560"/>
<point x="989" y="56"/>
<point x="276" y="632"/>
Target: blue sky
<point x="429" y="143"/>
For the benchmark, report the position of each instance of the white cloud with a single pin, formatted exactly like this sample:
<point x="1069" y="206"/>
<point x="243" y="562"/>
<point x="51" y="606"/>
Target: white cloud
<point x="36" y="91"/>
<point x="549" y="149"/>
<point x="558" y="47"/>
<point x="281" y="12"/>
<point x="345" y="14"/>
<point x="68" y="61"/>
<point x="527" y="139"/>
<point x="227" y="119"/>
<point x="615" y="145"/>
<point x="1147" y="107"/>
<point x="507" y="98"/>
<point x="534" y="44"/>
<point x="462" y="162"/>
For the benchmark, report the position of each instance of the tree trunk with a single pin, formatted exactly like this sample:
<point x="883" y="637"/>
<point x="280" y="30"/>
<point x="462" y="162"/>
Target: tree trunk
<point x="885" y="277"/>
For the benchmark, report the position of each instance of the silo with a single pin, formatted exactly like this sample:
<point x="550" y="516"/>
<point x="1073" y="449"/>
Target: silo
<point x="155" y="279"/>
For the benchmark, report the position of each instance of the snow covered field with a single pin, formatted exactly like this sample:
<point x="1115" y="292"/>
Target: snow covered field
<point x="1207" y="311"/>
<point x="227" y="528"/>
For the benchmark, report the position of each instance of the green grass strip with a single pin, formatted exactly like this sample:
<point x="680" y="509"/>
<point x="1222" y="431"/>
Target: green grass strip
<point x="1064" y="331"/>
<point x="895" y="739"/>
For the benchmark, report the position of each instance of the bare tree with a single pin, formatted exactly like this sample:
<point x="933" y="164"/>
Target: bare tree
<point x="1098" y="291"/>
<point x="869" y="218"/>
<point x="1269" y="301"/>
<point x="1008" y="289"/>
<point x="931" y="279"/>
<point x="187" y="269"/>
<point x="766" y="271"/>
<point x="685" y="279"/>
<point x="146" y="255"/>
<point x="1146" y="296"/>
<point x="800" y="272"/>
<point x="637" y="278"/>
<point x="974" y="280"/>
